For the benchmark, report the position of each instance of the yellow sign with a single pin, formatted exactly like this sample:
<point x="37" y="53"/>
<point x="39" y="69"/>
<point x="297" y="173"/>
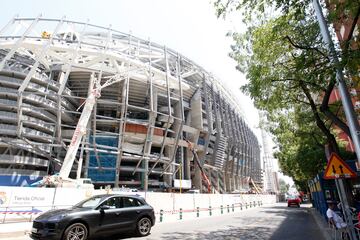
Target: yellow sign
<point x="337" y="168"/>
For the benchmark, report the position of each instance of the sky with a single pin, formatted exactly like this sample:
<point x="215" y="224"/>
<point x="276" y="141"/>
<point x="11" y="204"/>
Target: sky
<point x="187" y="26"/>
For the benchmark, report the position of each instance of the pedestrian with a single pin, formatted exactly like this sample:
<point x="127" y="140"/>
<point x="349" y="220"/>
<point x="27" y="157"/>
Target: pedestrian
<point x="334" y="219"/>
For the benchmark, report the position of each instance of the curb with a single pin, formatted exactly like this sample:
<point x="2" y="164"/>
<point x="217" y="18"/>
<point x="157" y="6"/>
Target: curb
<point x="325" y="230"/>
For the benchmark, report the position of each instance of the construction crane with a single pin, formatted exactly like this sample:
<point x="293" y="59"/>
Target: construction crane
<point x="62" y="178"/>
<point x="197" y="161"/>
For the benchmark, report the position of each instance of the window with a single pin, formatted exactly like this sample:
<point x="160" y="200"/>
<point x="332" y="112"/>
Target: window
<point x="113" y="202"/>
<point x="91" y="202"/>
<point x="131" y="202"/>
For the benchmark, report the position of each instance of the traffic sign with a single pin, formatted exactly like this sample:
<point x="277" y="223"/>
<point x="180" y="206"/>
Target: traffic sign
<point x="337" y="168"/>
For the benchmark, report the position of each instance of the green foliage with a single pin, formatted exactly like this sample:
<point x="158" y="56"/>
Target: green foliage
<point x="289" y="74"/>
<point x="284" y="187"/>
<point x="301" y="144"/>
<point x="274" y="67"/>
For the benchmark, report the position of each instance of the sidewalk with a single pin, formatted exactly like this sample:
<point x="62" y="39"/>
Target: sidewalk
<point x="326" y="231"/>
<point x="10" y="230"/>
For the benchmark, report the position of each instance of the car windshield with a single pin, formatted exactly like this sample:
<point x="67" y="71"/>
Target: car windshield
<point x="89" y="203"/>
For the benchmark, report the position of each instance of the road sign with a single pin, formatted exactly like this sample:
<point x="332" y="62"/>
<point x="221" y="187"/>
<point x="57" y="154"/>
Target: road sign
<point x="337" y="168"/>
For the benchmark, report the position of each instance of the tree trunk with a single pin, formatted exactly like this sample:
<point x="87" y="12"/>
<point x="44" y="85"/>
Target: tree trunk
<point x="324" y="108"/>
<point x="319" y="122"/>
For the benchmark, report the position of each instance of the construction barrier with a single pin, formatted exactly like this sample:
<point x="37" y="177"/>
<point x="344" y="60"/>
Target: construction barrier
<point x="24" y="204"/>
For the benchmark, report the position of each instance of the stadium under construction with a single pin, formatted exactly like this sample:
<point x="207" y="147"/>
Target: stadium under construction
<point x="151" y="106"/>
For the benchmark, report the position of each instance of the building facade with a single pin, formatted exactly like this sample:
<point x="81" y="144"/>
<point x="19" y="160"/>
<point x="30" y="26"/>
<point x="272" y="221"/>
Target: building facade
<point x="139" y="127"/>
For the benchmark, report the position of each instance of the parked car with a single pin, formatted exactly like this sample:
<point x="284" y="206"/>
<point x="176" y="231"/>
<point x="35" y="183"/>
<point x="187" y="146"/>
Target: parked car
<point x="97" y="216"/>
<point x="293" y="200"/>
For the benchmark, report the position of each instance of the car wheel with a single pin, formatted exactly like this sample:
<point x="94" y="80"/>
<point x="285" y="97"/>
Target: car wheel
<point x="298" y="205"/>
<point x="76" y="231"/>
<point x="288" y="205"/>
<point x="143" y="226"/>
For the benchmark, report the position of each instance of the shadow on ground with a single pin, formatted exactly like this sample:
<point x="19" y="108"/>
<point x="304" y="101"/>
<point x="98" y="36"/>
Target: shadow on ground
<point x="297" y="225"/>
<point x="229" y="233"/>
<point x="119" y="236"/>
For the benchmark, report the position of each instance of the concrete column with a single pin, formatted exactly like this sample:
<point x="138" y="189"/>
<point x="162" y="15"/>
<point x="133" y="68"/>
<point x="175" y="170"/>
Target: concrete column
<point x="196" y="122"/>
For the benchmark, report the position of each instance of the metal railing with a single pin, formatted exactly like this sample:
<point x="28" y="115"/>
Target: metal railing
<point x="11" y="214"/>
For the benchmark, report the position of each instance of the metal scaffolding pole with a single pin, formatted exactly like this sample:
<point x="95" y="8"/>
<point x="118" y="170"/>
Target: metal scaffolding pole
<point x="150" y="126"/>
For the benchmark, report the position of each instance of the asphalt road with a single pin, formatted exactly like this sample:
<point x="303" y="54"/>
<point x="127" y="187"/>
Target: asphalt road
<point x="277" y="222"/>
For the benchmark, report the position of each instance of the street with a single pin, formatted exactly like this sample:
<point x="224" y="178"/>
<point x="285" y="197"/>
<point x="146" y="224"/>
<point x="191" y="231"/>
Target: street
<point x="275" y="222"/>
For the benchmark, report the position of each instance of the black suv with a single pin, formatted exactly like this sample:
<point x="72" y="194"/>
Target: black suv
<point x="97" y="216"/>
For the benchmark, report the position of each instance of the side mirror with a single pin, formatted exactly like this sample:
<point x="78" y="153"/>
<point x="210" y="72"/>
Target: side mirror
<point x="104" y="207"/>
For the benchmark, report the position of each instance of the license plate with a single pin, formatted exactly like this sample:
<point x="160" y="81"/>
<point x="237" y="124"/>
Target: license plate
<point x="34" y="230"/>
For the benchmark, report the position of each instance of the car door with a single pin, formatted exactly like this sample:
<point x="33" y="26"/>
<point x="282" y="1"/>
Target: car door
<point x="110" y="219"/>
<point x="132" y="209"/>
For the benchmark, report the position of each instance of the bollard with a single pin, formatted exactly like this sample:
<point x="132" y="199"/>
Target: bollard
<point x="233" y="208"/>
<point x="250" y="205"/>
<point x="210" y="211"/>
<point x="197" y="212"/>
<point x="161" y="215"/>
<point x="228" y="208"/>
<point x="246" y="205"/>
<point x="254" y="204"/>
<point x="180" y="213"/>
<point x="6" y="209"/>
<point x="31" y="215"/>
<point x="221" y="209"/>
<point x="240" y="206"/>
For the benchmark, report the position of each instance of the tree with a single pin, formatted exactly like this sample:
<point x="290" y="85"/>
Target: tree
<point x="284" y="187"/>
<point x="291" y="78"/>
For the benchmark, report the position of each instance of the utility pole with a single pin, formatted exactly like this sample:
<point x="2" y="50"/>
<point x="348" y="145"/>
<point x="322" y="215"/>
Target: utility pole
<point x="348" y="109"/>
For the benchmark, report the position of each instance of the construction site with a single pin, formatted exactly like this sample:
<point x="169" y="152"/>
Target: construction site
<point x="85" y="101"/>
